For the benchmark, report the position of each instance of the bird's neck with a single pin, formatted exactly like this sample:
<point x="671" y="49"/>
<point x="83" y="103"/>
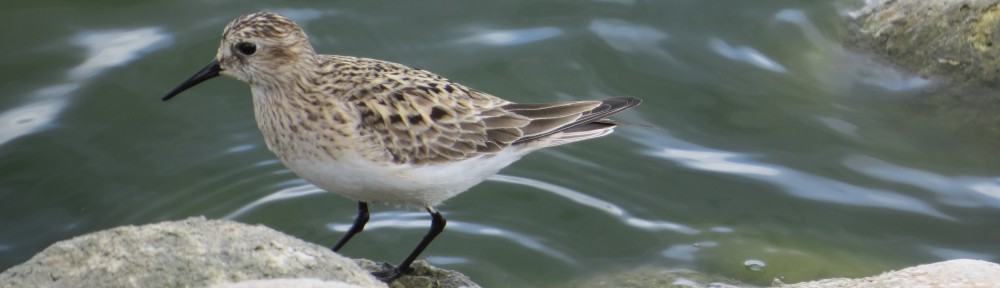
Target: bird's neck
<point x="291" y="117"/>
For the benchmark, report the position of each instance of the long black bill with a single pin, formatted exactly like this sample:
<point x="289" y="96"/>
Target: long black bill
<point x="206" y="73"/>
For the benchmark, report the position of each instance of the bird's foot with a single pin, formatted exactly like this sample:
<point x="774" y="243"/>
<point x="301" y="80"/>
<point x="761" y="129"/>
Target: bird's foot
<point x="388" y="272"/>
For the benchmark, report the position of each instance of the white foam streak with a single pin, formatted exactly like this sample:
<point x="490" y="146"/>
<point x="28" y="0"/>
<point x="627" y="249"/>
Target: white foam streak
<point x="409" y="221"/>
<point x="790" y="181"/>
<point x="627" y="37"/>
<point x="605" y="206"/>
<point x="105" y="49"/>
<point x="28" y="119"/>
<point x="745" y="54"/>
<point x="108" y="49"/>
<point x="960" y="191"/>
<point x="511" y="37"/>
<point x="287" y="193"/>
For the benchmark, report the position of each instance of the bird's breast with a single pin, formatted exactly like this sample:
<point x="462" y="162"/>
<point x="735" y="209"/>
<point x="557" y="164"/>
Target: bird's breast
<point x="294" y="128"/>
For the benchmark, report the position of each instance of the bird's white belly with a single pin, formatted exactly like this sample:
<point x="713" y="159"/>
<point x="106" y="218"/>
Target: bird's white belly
<point x="427" y="185"/>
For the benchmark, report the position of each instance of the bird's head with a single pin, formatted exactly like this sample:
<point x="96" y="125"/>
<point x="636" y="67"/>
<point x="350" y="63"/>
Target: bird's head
<point x="256" y="48"/>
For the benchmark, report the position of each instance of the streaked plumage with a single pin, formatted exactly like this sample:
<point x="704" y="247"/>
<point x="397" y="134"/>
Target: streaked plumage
<point x="376" y="131"/>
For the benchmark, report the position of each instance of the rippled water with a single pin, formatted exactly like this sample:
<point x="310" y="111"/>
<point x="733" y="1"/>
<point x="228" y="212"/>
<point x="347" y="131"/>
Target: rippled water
<point x="773" y="145"/>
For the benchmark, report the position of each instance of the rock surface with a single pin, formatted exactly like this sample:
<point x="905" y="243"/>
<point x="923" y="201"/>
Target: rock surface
<point x="944" y="37"/>
<point x="287" y="283"/>
<point x="954" y="273"/>
<point x="198" y="253"/>
<point x="952" y="40"/>
<point x="425" y="275"/>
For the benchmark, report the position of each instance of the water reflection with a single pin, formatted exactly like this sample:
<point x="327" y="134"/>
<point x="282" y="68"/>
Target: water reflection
<point x="621" y="2"/>
<point x="439" y="260"/>
<point x="682" y="252"/>
<point x="511" y="37"/>
<point x="991" y="189"/>
<point x="417" y="220"/>
<point x="608" y="207"/>
<point x="108" y="49"/>
<point x="867" y="70"/>
<point x="630" y="38"/>
<point x="840" y="126"/>
<point x="105" y="49"/>
<point x="812" y="33"/>
<point x="240" y="148"/>
<point x="28" y="119"/>
<point x="745" y="54"/>
<point x="791" y="181"/>
<point x="946" y="253"/>
<point x="717" y="161"/>
<point x="962" y="191"/>
<point x="754" y="264"/>
<point x="283" y="194"/>
<point x="851" y="67"/>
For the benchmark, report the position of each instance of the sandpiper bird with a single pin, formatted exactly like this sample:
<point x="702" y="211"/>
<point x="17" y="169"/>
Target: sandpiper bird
<point x="377" y="131"/>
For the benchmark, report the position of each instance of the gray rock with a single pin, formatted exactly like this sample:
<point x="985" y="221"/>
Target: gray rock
<point x="425" y="275"/>
<point x="953" y="40"/>
<point x="287" y="283"/>
<point x="941" y="37"/>
<point x="954" y="273"/>
<point x="190" y="253"/>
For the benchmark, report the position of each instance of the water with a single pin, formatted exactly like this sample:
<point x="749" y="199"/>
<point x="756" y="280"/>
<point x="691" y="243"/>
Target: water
<point x="772" y="143"/>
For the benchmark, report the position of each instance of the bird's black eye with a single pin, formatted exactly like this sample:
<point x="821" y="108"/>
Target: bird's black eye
<point x="246" y="48"/>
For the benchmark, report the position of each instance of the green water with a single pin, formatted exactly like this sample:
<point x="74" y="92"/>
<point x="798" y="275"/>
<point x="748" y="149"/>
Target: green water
<point x="771" y="142"/>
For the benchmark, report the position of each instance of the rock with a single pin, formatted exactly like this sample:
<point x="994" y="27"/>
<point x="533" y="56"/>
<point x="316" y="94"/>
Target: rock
<point x="952" y="40"/>
<point x="424" y="275"/>
<point x="940" y="37"/>
<point x="194" y="253"/>
<point x="954" y="273"/>
<point x="287" y="283"/>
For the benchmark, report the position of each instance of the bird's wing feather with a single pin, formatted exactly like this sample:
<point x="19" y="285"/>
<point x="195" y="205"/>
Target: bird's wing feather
<point x="428" y="122"/>
<point x="423" y="118"/>
<point x="570" y="115"/>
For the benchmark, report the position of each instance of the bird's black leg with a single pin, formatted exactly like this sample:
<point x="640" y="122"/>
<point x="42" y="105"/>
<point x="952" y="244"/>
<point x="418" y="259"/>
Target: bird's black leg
<point x="359" y="224"/>
<point x="389" y="272"/>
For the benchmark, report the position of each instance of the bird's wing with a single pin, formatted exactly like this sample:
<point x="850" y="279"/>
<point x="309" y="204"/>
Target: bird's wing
<point x="432" y="122"/>
<point x="572" y="120"/>
<point x="423" y="118"/>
